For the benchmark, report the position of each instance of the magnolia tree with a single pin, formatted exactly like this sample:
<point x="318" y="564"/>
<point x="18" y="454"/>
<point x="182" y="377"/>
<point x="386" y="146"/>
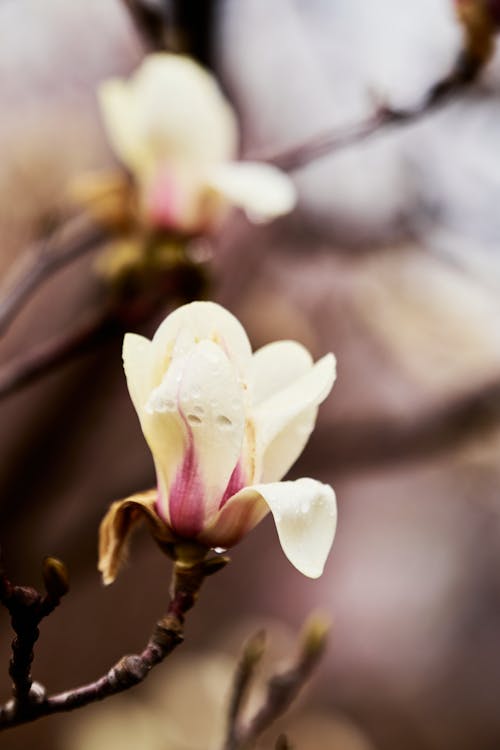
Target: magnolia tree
<point x="224" y="425"/>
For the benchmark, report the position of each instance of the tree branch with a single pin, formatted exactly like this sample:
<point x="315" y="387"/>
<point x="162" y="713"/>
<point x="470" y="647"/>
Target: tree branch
<point x="282" y="688"/>
<point x="354" y="445"/>
<point x="27" y="608"/>
<point x="44" y="258"/>
<point x="149" y="22"/>
<point x="129" y="670"/>
<point x="47" y="356"/>
<point x="464" y="73"/>
<point x="252" y="653"/>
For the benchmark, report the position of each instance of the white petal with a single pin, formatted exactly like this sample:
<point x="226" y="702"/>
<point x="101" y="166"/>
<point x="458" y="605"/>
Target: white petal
<point x="276" y="365"/>
<point x="122" y="122"/>
<point x="184" y="111"/>
<point x="170" y="110"/>
<point x="202" y="389"/>
<point x="284" y="421"/>
<point x="165" y="435"/>
<point x="198" y="321"/>
<point x="261" y="190"/>
<point x="305" y="513"/>
<point x="137" y="365"/>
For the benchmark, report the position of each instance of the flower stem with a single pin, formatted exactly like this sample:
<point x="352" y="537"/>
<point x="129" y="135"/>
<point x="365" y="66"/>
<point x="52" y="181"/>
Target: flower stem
<point x="128" y="671"/>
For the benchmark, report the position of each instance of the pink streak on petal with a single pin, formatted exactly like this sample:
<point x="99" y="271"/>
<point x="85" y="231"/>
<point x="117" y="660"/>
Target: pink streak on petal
<point x="187" y="497"/>
<point x="163" y="203"/>
<point x="235" y="484"/>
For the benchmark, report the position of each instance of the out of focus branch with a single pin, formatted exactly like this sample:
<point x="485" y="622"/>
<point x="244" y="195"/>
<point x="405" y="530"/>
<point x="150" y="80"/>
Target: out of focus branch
<point x="355" y="445"/>
<point x="282" y="688"/>
<point x="250" y="657"/>
<point x="464" y="72"/>
<point x="46" y="357"/>
<point x="43" y="259"/>
<point x="129" y="671"/>
<point x="149" y="22"/>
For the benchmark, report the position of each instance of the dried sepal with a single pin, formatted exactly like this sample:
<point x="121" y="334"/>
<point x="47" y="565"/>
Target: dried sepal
<point x="119" y="523"/>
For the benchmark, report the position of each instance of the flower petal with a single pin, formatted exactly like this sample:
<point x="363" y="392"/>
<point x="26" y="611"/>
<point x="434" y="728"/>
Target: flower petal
<point x="305" y="513"/>
<point x="117" y="526"/>
<point x="276" y="366"/>
<point x="261" y="190"/>
<point x="121" y="118"/>
<point x="170" y="110"/>
<point x="284" y="421"/>
<point x="203" y="390"/>
<point x="242" y="512"/>
<point x="137" y="365"/>
<point x="195" y="322"/>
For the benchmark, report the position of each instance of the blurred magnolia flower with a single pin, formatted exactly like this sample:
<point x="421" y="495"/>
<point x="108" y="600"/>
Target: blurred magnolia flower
<point x="224" y="426"/>
<point x="173" y="129"/>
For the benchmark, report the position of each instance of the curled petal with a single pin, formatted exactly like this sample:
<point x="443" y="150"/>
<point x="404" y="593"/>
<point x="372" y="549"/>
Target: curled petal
<point x="285" y="420"/>
<point x="261" y="190"/>
<point x="117" y="526"/>
<point x="242" y="512"/>
<point x="305" y="513"/>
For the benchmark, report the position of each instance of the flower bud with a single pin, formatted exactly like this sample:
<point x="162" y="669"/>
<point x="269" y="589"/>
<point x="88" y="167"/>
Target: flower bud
<point x="224" y="425"/>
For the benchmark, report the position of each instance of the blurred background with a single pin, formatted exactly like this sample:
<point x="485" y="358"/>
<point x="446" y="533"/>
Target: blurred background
<point x="391" y="260"/>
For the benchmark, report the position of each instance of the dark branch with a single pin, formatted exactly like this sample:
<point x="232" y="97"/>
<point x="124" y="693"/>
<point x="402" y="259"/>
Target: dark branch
<point x="42" y="260"/>
<point x="355" y="445"/>
<point x="47" y="356"/>
<point x="149" y="22"/>
<point x="129" y="670"/>
<point x="464" y="73"/>
<point x="27" y="608"/>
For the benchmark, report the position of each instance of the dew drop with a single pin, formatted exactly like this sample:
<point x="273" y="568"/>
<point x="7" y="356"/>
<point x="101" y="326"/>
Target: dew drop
<point x="219" y="550"/>
<point x="194" y="419"/>
<point x="223" y="422"/>
<point x="199" y="410"/>
<point x="304" y="507"/>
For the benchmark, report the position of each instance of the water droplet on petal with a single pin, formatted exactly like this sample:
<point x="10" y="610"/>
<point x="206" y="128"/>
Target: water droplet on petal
<point x="219" y="550"/>
<point x="194" y="419"/>
<point x="223" y="422"/>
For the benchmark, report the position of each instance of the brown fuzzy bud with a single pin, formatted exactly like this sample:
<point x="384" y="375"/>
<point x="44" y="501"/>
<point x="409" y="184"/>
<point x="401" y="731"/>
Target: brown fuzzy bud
<point x="55" y="577"/>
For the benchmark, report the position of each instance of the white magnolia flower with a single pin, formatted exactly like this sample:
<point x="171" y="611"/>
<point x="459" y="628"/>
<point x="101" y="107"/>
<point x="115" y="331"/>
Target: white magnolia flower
<point x="224" y="426"/>
<point x="172" y="127"/>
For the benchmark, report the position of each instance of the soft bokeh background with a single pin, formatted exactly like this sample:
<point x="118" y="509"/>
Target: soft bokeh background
<point x="392" y="261"/>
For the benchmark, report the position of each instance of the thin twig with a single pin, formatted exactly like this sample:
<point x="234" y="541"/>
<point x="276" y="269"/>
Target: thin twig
<point x="252" y="653"/>
<point x="149" y="22"/>
<point x="45" y="357"/>
<point x="299" y="156"/>
<point x="282" y="689"/>
<point x="27" y="608"/>
<point x="354" y="445"/>
<point x="43" y="259"/>
<point x="131" y="669"/>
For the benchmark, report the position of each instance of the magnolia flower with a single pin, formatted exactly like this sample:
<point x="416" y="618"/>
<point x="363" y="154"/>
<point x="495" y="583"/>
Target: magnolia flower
<point x="174" y="130"/>
<point x="224" y="426"/>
